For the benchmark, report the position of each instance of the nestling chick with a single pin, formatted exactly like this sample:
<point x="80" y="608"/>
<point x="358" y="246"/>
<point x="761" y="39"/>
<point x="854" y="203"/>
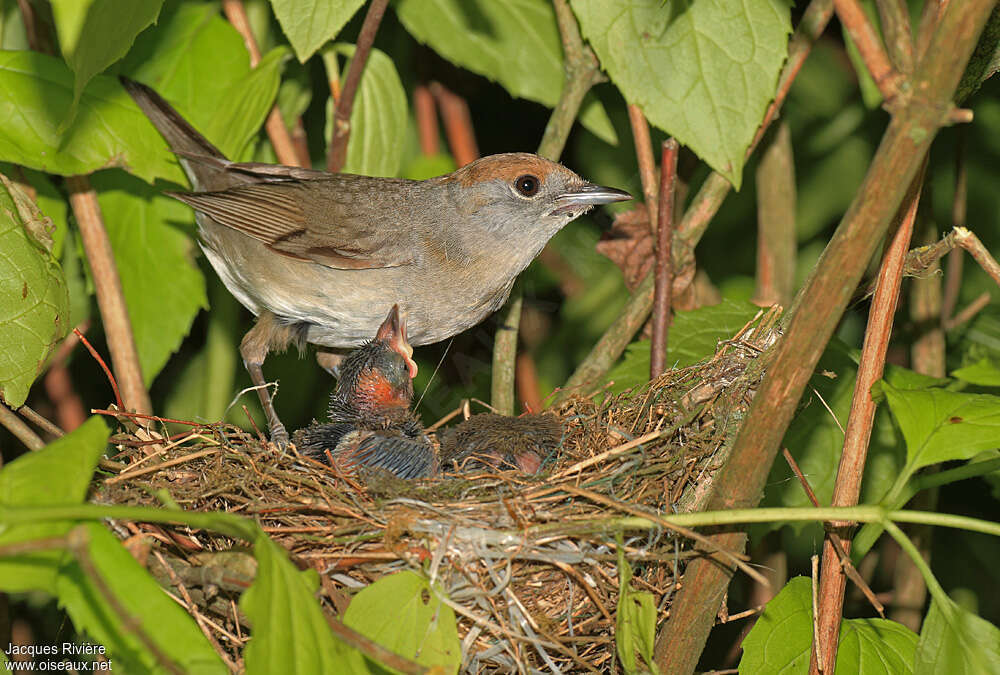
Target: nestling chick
<point x="496" y="442"/>
<point x="370" y="420"/>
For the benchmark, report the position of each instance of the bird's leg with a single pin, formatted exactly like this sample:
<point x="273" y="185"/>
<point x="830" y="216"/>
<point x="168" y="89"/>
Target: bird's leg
<point x="254" y="348"/>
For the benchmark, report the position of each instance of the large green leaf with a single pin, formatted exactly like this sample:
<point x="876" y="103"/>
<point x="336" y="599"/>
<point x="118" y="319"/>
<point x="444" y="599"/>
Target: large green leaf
<point x="515" y="43"/>
<point x="694" y="336"/>
<point x="404" y="613"/>
<point x="309" y="24"/>
<point x="93" y="34"/>
<point x="953" y="640"/>
<point x="34" y="303"/>
<point x="36" y="91"/>
<point x="290" y="634"/>
<point x="943" y="425"/>
<point x="163" y="288"/>
<point x="780" y="640"/>
<point x="702" y="71"/>
<point x="58" y="474"/>
<point x="378" y="118"/>
<point x="84" y="590"/>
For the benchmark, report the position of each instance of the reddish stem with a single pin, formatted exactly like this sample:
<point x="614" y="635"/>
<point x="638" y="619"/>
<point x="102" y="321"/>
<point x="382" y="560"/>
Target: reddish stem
<point x="457" y="124"/>
<point x="646" y="161"/>
<point x="664" y="270"/>
<point x="847" y="489"/>
<point x="869" y="45"/>
<point x="342" y="115"/>
<point x="427" y="123"/>
<point x="103" y="365"/>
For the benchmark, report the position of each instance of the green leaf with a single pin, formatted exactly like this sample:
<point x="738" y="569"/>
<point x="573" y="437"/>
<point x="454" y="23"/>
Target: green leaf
<point x="816" y="439"/>
<point x="405" y="614"/>
<point x="635" y="628"/>
<point x="93" y="34"/>
<point x="309" y="24"/>
<point x="34" y="303"/>
<point x="943" y="425"/>
<point x="36" y="92"/>
<point x="163" y="287"/>
<point x="956" y="641"/>
<point x="985" y="373"/>
<point x="58" y="474"/>
<point x="245" y="106"/>
<point x="290" y="634"/>
<point x="515" y="43"/>
<point x="703" y="71"/>
<point x="378" y="118"/>
<point x="148" y="610"/>
<point x="781" y="639"/>
<point x="694" y="336"/>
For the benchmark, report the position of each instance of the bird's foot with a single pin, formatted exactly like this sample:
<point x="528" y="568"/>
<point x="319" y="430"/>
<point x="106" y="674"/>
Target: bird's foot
<point x="280" y="437"/>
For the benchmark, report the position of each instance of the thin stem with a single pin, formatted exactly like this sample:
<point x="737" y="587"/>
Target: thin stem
<point x="427" y="123"/>
<point x="698" y="215"/>
<point x="457" y="124"/>
<point x="866" y="39"/>
<point x="110" y="297"/>
<point x="847" y="488"/>
<point x="776" y="241"/>
<point x="645" y="160"/>
<point x="895" y="18"/>
<point x="664" y="270"/>
<point x="818" y="309"/>
<point x="19" y="429"/>
<point x="284" y="147"/>
<point x="342" y="115"/>
<point x="970" y="242"/>
<point x="581" y="72"/>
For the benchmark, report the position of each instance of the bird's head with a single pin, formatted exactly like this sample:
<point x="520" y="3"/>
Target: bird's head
<point x="521" y="196"/>
<point x="377" y="377"/>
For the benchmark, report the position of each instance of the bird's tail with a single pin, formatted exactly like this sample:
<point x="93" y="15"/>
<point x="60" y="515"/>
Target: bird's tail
<point x="200" y="159"/>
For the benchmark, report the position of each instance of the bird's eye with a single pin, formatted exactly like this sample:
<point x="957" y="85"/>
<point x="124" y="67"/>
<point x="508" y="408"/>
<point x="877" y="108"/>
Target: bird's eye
<point x="527" y="185"/>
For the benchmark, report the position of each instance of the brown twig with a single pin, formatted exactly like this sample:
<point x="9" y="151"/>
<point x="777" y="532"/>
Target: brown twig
<point x="110" y="297"/>
<point x="104" y="367"/>
<point x="427" y="123"/>
<point x="895" y="19"/>
<point x="457" y="124"/>
<point x="70" y="412"/>
<point x="342" y="115"/>
<point x="528" y="390"/>
<point x="19" y="429"/>
<point x="284" y="147"/>
<point x="776" y="242"/>
<point x="698" y="215"/>
<point x="847" y="487"/>
<point x="816" y="312"/>
<point x="970" y="242"/>
<point x="40" y="421"/>
<point x="968" y="311"/>
<point x="866" y="39"/>
<point x="581" y="73"/>
<point x="664" y="269"/>
<point x="647" y="163"/>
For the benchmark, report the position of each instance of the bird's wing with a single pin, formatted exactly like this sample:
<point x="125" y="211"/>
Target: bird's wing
<point x="304" y="220"/>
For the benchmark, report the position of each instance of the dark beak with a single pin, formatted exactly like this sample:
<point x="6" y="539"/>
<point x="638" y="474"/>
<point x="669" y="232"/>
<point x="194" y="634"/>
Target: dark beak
<point x="586" y="196"/>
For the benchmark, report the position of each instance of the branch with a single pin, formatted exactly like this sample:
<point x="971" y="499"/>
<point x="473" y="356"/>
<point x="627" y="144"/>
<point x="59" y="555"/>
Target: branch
<point x="342" y="116"/>
<point x="16" y="426"/>
<point x="699" y="214"/>
<point x="847" y="488"/>
<point x="664" y="269"/>
<point x="895" y="18"/>
<point x="818" y="309"/>
<point x="285" y="148"/>
<point x="110" y="297"/>
<point x="776" y="241"/>
<point x="644" y="157"/>
<point x="581" y="73"/>
<point x="866" y="39"/>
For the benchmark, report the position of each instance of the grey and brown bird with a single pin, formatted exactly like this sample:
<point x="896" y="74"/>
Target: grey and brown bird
<point x="321" y="257"/>
<point x="490" y="442"/>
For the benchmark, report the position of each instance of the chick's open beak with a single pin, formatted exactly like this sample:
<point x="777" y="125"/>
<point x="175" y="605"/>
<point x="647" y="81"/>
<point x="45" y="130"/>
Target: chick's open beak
<point x="586" y="196"/>
<point x="393" y="332"/>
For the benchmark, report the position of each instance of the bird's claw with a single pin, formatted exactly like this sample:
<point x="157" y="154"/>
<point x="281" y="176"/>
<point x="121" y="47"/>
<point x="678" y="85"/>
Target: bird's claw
<point x="280" y="437"/>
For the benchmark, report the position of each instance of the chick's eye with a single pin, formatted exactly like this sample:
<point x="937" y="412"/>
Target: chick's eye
<point x="527" y="185"/>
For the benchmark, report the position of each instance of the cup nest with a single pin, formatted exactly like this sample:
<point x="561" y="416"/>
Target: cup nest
<point x="529" y="562"/>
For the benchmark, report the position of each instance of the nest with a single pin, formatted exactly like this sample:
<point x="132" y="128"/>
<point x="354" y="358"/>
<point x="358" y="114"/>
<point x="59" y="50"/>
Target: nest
<point x="529" y="562"/>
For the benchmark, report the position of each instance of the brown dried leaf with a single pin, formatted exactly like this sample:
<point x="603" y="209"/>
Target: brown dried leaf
<point x="629" y="244"/>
